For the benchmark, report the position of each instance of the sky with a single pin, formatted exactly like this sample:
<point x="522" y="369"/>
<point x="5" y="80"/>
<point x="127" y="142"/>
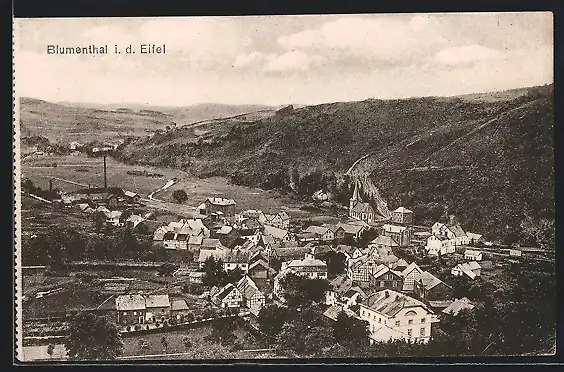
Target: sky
<point x="276" y="60"/>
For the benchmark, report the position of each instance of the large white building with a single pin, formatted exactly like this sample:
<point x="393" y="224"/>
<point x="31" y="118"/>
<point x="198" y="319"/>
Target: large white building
<point x="394" y="316"/>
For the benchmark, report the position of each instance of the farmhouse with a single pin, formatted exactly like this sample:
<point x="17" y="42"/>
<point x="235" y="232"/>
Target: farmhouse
<point x="457" y="305"/>
<point x="157" y="307"/>
<point x="410" y="274"/>
<point x="386" y="278"/>
<point x="312" y="269"/>
<point x="338" y="231"/>
<point x="226" y="297"/>
<point x="400" y="234"/>
<point x="452" y="231"/>
<point x="279" y="235"/>
<point x="392" y="315"/>
<point x="342" y="290"/>
<point x="251" y="294"/>
<point x="130" y="309"/>
<point x="352" y="230"/>
<point x="234" y="260"/>
<point x="439" y="245"/>
<point x="429" y="288"/>
<point x="319" y="252"/>
<point x="475" y="238"/>
<point x="219" y="206"/>
<point x="472" y="255"/>
<point x="402" y="216"/>
<point x="471" y="270"/>
<point x="322" y="233"/>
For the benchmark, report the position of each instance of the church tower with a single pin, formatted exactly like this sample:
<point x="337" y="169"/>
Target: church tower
<point x="355" y="198"/>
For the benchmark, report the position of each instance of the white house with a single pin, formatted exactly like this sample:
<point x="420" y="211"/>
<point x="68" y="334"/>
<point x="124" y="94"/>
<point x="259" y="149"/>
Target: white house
<point x="114" y="218"/>
<point x="453" y="232"/>
<point x="228" y="296"/>
<point x="323" y="233"/>
<point x="312" y="269"/>
<point x="410" y="275"/>
<point x="472" y="255"/>
<point x="471" y="269"/>
<point x="235" y="260"/>
<point x="440" y="245"/>
<point x="393" y="315"/>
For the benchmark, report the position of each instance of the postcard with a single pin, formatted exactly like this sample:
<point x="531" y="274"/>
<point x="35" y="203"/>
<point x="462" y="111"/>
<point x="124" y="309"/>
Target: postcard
<point x="297" y="187"/>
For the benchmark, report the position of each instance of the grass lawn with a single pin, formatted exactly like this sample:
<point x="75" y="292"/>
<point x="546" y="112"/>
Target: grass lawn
<point x="39" y="282"/>
<point x="201" y="348"/>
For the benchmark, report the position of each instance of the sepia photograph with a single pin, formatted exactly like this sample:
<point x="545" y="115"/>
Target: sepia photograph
<point x="284" y="187"/>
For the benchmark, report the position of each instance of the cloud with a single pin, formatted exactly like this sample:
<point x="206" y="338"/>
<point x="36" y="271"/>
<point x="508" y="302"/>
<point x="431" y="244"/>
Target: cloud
<point x="467" y="54"/>
<point x="389" y="39"/>
<point x="292" y="61"/>
<point x="247" y="60"/>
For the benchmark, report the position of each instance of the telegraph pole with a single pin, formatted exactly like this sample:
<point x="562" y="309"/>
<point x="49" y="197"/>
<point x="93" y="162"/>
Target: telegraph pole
<point x="105" y="176"/>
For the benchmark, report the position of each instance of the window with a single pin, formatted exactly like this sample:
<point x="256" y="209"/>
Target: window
<point x="135" y="313"/>
<point x="394" y="284"/>
<point x="382" y="284"/>
<point x="362" y="312"/>
<point x="422" y="331"/>
<point x="374" y="317"/>
<point x="409" y="332"/>
<point x="379" y="320"/>
<point x="410" y="321"/>
<point x="397" y="322"/>
<point x="423" y="320"/>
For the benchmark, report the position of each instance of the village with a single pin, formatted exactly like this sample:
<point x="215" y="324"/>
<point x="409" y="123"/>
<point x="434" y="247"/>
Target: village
<point x="365" y="259"/>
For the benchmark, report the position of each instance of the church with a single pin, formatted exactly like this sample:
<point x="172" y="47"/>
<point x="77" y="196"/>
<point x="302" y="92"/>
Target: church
<point x="360" y="210"/>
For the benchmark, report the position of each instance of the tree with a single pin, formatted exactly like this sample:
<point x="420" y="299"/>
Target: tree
<point x="233" y="276"/>
<point x="186" y="342"/>
<point x="167" y="269"/>
<point x="164" y="342"/>
<point x="223" y="332"/>
<point x="540" y="231"/>
<point x="92" y="337"/>
<point x="271" y="319"/>
<point x="99" y="221"/>
<point x="214" y="273"/>
<point x="180" y="196"/>
<point x="299" y="291"/>
<point x="305" y="333"/>
<point x="336" y="263"/>
<point x="350" y="332"/>
<point x="143" y="345"/>
<point x="50" y="350"/>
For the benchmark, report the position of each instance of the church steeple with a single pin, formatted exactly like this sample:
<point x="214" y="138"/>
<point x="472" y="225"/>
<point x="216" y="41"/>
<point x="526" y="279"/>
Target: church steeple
<point x="355" y="198"/>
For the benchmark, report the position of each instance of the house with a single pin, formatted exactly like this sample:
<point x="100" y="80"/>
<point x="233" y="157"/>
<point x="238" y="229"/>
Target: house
<point x="251" y="294"/>
<point x="337" y="288"/>
<point x="130" y="309"/>
<point x="352" y="230"/>
<point x="428" y="287"/>
<point x="218" y="254"/>
<point x="410" y="274"/>
<point x="323" y="233"/>
<point x="234" y="260"/>
<point x="74" y="145"/>
<point x="195" y="243"/>
<point x="178" y="308"/>
<point x="351" y="253"/>
<point x="133" y="220"/>
<point x="260" y="270"/>
<point x="103" y="209"/>
<point x="279" y="235"/>
<point x="471" y="269"/>
<point x="439" y="245"/>
<point x="400" y="265"/>
<point x="249" y="213"/>
<point x="383" y="254"/>
<point x="361" y="271"/>
<point x="281" y="220"/>
<point x="157" y="307"/>
<point x="360" y="210"/>
<point x="114" y="218"/>
<point x="386" y="278"/>
<point x="172" y="240"/>
<point x="258" y="255"/>
<point x="319" y="252"/>
<point x="196" y="277"/>
<point x="457" y="305"/>
<point x="218" y="206"/>
<point x="290" y="253"/>
<point x="131" y="197"/>
<point x="307" y="237"/>
<point x="475" y="238"/>
<point x="321" y="195"/>
<point x="393" y="315"/>
<point x="224" y="230"/>
<point x="383" y="241"/>
<point x="400" y="234"/>
<point x="334" y="310"/>
<point x="208" y="243"/>
<point x="338" y="231"/>
<point x="472" y="255"/>
<point x="403" y="216"/>
<point x="226" y="297"/>
<point x="451" y="231"/>
<point x="312" y="269"/>
<point x="514" y="253"/>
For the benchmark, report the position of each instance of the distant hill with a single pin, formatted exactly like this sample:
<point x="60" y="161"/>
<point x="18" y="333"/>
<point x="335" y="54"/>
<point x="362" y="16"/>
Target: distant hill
<point x="486" y="158"/>
<point x="68" y="121"/>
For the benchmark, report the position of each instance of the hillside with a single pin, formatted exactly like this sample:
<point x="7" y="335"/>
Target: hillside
<point x="68" y="121"/>
<point x="487" y="158"/>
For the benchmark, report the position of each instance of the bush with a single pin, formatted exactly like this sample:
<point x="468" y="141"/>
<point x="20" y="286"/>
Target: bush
<point x="137" y="327"/>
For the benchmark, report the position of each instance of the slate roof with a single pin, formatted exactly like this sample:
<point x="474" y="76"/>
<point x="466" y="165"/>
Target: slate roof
<point x="275" y="232"/>
<point x="428" y="280"/>
<point x="351" y="228"/>
<point x="471" y="252"/>
<point x="403" y="210"/>
<point x="225" y="230"/>
<point x="287" y="253"/>
<point x="456" y="230"/>
<point x="224" y="292"/>
<point x="157" y="301"/>
<point x="318" y="230"/>
<point x="341" y="284"/>
<point x="236" y="257"/>
<point x="389" y="303"/>
<point x="458" y="305"/>
<point x="361" y="207"/>
<point x="384" y="240"/>
<point x="393" y="228"/>
<point x="178" y="304"/>
<point x="308" y="264"/>
<point x="210" y="243"/>
<point x="195" y="240"/>
<point x="130" y="302"/>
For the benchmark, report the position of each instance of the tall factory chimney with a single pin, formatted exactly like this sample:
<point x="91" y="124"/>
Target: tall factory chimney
<point x="105" y="176"/>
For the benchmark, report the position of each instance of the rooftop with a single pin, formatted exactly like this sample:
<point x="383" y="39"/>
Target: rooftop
<point x="389" y="303"/>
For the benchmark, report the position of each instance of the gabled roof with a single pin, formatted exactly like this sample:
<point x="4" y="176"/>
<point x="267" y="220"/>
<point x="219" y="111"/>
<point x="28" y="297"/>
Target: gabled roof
<point x="260" y="263"/>
<point x="412" y="266"/>
<point x="401" y="263"/>
<point x="210" y="243"/>
<point x="275" y="232"/>
<point x="236" y="257"/>
<point x="472" y="252"/>
<point x="383" y="269"/>
<point x="318" y="230"/>
<point x="361" y="207"/>
<point x="333" y="312"/>
<point x="341" y="284"/>
<point x="438" y="236"/>
<point x="429" y="281"/>
<point x="284" y="216"/>
<point x="474" y="236"/>
<point x="457" y="305"/>
<point x="178" y="304"/>
<point x="474" y="265"/>
<point x="225" y="230"/>
<point x="195" y="240"/>
<point x="307" y="263"/>
<point x="351" y="228"/>
<point x="291" y="252"/>
<point x="225" y="291"/>
<point x="332" y="227"/>
<point x="157" y="301"/>
<point x="456" y="230"/>
<point x="403" y="210"/>
<point x="115" y="214"/>
<point x="393" y="228"/>
<point x="384" y="240"/>
<point x="320" y="249"/>
<point x="130" y="302"/>
<point x="389" y="303"/>
<point x="346" y="249"/>
<point x="465" y="268"/>
<point x="221" y="201"/>
<point x="251" y="223"/>
<point x="216" y="253"/>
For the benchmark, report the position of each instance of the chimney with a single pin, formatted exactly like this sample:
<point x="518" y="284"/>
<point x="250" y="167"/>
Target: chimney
<point x="452" y="219"/>
<point x="387" y="294"/>
<point x="105" y="176"/>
